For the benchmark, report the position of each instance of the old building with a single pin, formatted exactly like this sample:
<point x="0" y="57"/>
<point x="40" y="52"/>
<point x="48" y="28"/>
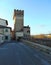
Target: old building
<point x="18" y="23"/>
<point x="26" y="31"/>
<point x="5" y="32"/>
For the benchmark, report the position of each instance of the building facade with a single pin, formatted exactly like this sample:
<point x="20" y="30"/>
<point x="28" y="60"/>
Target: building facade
<point x="26" y="31"/>
<point x="5" y="33"/>
<point x="1" y="38"/>
<point x="18" y="22"/>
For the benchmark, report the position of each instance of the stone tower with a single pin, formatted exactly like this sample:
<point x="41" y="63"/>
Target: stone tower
<point x="18" y="18"/>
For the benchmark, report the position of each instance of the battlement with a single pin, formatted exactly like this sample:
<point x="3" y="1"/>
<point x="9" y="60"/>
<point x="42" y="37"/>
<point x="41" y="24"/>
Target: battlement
<point x="18" y="13"/>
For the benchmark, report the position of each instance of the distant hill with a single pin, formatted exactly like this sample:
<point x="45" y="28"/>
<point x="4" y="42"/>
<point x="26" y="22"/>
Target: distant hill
<point x="48" y="36"/>
<point x="41" y="36"/>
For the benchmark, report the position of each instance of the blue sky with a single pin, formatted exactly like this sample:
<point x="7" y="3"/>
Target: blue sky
<point x="37" y="14"/>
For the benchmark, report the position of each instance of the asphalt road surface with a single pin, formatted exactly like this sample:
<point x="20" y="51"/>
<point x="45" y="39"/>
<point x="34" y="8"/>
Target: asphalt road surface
<point x="16" y="53"/>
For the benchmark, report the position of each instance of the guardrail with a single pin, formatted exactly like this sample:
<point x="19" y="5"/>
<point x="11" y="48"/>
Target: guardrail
<point x="43" y="48"/>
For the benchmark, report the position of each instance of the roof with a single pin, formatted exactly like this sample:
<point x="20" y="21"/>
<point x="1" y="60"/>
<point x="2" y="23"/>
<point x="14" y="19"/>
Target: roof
<point x="26" y="27"/>
<point x="4" y="20"/>
<point x="4" y="27"/>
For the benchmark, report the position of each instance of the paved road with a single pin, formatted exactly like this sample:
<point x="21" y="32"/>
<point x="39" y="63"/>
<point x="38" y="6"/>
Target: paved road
<point x="16" y="53"/>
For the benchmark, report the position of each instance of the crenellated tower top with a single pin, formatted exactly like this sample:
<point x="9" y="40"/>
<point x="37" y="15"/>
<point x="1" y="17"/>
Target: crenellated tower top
<point x="18" y="13"/>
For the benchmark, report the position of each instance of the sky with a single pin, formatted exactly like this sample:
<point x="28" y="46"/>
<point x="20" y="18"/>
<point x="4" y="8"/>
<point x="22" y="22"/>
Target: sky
<point x="37" y="14"/>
